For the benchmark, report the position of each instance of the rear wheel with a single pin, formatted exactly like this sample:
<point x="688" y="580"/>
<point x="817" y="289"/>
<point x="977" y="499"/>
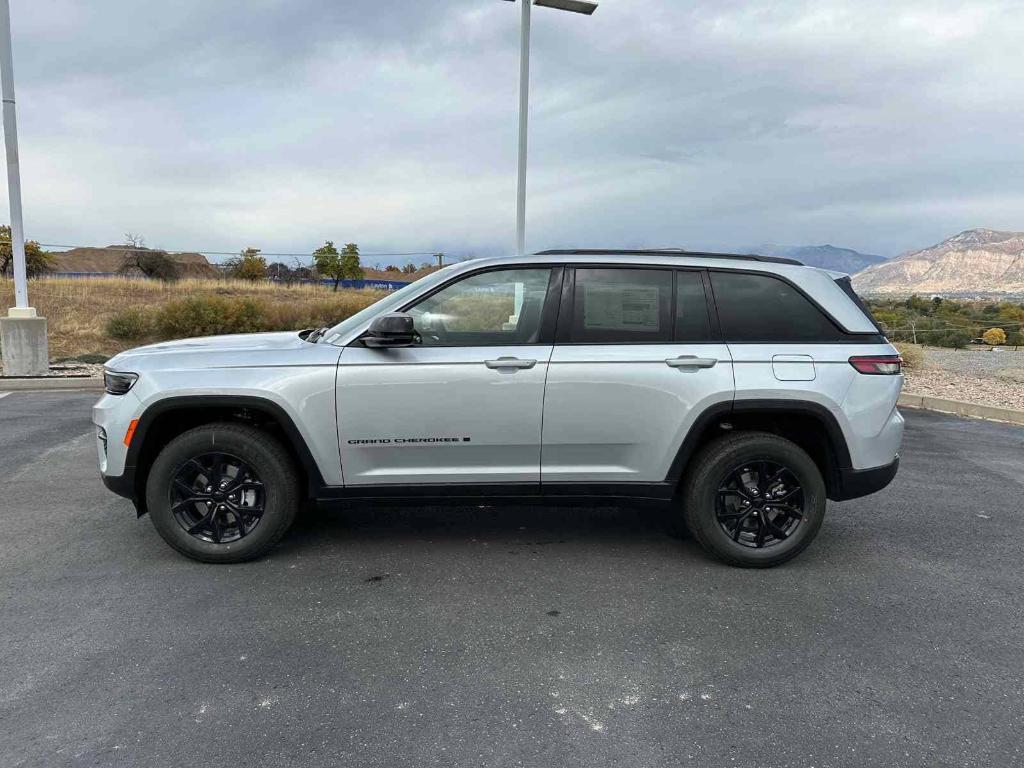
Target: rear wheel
<point x="754" y="499"/>
<point x="222" y="493"/>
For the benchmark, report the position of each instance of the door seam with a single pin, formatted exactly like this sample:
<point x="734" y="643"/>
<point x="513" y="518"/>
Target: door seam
<point x="543" y="408"/>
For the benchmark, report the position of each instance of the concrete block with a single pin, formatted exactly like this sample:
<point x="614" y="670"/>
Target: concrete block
<point x="24" y="346"/>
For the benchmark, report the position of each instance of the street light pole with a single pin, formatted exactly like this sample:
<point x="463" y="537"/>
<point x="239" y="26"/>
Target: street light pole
<point x="524" y="119"/>
<point x="23" y="340"/>
<point x="576" y="6"/>
<point x="13" y="169"/>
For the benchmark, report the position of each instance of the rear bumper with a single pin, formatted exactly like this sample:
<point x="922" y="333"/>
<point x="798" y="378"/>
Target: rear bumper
<point x="854" y="483"/>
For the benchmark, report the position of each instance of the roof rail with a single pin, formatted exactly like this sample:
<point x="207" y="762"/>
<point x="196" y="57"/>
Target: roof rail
<point x="666" y="252"/>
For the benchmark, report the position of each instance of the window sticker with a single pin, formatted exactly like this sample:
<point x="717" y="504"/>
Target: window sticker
<point x="620" y="307"/>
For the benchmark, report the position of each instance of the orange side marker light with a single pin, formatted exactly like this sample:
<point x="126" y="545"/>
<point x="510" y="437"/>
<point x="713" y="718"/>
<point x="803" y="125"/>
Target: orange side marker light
<point x="131" y="432"/>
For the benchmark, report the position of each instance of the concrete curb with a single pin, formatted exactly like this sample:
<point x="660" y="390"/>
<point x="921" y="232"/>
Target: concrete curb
<point x="52" y="384"/>
<point x="959" y="408"/>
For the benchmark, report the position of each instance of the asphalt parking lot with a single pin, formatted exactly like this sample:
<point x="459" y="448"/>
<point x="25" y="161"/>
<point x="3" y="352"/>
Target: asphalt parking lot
<point x="533" y="637"/>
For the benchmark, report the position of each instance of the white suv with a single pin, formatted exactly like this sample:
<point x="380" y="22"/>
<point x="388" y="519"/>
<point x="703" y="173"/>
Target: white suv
<point x="742" y="391"/>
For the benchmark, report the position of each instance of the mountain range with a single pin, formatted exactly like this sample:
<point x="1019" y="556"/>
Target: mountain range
<point x="822" y="256"/>
<point x="976" y="262"/>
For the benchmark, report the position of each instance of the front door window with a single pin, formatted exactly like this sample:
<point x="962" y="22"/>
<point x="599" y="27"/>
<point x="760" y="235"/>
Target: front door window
<point x="501" y="307"/>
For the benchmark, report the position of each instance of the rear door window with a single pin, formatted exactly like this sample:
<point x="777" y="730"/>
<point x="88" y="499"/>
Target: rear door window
<point x="692" y="324"/>
<point x="762" y="308"/>
<point x="612" y="305"/>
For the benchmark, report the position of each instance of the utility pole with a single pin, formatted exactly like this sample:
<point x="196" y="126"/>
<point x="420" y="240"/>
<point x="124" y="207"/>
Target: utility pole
<point x="22" y="334"/>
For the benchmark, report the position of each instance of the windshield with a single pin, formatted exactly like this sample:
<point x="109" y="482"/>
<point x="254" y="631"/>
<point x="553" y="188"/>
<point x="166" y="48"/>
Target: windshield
<point x="387" y="304"/>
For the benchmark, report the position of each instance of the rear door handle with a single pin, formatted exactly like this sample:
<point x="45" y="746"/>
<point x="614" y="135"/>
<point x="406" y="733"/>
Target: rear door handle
<point x="691" y="361"/>
<point x="510" y="362"/>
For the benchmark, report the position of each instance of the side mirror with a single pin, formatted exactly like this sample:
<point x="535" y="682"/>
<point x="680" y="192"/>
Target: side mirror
<point x="395" y="329"/>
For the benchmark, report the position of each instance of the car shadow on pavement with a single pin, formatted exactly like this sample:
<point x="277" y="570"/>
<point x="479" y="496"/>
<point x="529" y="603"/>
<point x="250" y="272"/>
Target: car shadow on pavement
<point x="509" y="523"/>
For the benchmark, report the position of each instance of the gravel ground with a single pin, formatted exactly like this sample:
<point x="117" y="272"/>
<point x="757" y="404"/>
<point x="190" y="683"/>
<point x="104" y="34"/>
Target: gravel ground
<point x="973" y="376"/>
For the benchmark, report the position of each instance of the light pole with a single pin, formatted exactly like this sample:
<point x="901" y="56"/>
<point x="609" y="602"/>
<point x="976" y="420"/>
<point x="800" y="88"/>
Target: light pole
<point x="22" y="334"/>
<point x="576" y="6"/>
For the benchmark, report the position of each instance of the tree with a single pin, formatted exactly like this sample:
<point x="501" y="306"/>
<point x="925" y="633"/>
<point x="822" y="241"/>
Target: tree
<point x="300" y="271"/>
<point x="248" y="265"/>
<point x="281" y="273"/>
<point x="994" y="337"/>
<point x="37" y="261"/>
<point x="156" y="265"/>
<point x="350" y="265"/>
<point x="391" y="268"/>
<point x="409" y="268"/>
<point x="328" y="262"/>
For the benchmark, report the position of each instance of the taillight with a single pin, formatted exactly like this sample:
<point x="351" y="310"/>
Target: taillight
<point x="878" y="365"/>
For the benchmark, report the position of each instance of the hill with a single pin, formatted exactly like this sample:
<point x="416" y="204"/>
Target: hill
<point x="111" y="258"/>
<point x="976" y="262"/>
<point x="823" y="256"/>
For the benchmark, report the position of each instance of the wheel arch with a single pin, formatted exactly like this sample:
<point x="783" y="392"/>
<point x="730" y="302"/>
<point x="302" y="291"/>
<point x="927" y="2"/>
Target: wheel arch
<point x="808" y="424"/>
<point x="169" y="417"/>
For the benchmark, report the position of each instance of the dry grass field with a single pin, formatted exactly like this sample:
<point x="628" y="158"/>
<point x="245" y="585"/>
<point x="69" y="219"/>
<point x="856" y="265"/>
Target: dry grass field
<point x="79" y="310"/>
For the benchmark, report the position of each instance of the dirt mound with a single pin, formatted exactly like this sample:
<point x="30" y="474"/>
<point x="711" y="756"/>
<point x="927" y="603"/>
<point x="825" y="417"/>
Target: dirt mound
<point x="110" y="259"/>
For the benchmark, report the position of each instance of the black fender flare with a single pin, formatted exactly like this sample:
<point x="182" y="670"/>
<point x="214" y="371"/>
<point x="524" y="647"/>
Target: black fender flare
<point x="724" y="410"/>
<point x="129" y="483"/>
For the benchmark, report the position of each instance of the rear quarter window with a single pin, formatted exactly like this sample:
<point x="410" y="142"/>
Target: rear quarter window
<point x="763" y="308"/>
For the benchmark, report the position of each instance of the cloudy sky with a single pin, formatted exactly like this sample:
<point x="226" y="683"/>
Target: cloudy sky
<point x="219" y="124"/>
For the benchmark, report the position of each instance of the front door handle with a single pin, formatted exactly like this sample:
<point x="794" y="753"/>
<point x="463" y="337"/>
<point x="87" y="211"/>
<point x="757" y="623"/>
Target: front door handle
<point x="510" y="362"/>
<point x="691" y="361"/>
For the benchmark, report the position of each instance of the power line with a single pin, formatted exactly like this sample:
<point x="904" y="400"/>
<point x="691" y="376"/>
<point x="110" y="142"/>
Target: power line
<point x="212" y="253"/>
<point x="221" y="253"/>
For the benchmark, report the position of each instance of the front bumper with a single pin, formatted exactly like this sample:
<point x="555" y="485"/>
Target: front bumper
<point x="854" y="483"/>
<point x="124" y="485"/>
<point x="112" y="415"/>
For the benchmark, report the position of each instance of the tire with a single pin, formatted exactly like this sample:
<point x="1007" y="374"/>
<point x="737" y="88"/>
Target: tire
<point x="269" y="482"/>
<point x="744" y="469"/>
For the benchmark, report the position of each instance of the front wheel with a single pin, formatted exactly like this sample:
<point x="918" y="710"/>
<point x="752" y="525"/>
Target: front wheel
<point x="222" y="493"/>
<point x="754" y="499"/>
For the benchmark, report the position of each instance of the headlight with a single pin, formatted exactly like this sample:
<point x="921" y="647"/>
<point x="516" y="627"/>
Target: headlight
<point x="118" y="383"/>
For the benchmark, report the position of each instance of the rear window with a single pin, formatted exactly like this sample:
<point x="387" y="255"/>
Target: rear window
<point x="762" y="308"/>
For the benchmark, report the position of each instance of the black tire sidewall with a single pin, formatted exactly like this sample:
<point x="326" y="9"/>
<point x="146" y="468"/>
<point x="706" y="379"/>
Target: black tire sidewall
<point x="701" y="498"/>
<point x="266" y="458"/>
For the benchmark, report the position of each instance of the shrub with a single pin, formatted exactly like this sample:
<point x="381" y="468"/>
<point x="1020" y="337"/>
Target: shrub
<point x="994" y="337"/>
<point x="208" y="316"/>
<point x="912" y="354"/>
<point x="128" y="325"/>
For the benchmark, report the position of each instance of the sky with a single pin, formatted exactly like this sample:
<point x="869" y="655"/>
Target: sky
<point x="219" y="124"/>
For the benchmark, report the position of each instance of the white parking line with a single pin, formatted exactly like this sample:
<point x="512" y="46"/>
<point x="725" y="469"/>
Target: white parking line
<point x="3" y="395"/>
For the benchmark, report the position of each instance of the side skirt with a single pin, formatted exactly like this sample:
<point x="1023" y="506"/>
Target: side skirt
<point x="561" y="494"/>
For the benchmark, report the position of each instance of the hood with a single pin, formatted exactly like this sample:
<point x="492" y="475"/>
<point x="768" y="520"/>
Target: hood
<point x="209" y="351"/>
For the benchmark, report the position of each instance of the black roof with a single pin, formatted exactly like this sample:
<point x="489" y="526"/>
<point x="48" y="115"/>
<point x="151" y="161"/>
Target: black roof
<point x="666" y="252"/>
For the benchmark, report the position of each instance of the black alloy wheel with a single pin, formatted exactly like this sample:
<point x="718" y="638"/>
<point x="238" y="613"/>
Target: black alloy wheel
<point x="217" y="497"/>
<point x="760" y="504"/>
